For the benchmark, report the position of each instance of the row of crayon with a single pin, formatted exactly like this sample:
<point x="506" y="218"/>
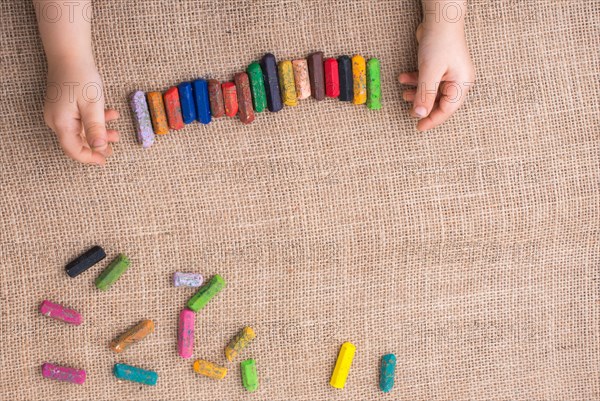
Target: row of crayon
<point x="265" y="85"/>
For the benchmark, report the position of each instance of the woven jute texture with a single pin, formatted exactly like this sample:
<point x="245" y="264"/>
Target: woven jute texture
<point x="471" y="252"/>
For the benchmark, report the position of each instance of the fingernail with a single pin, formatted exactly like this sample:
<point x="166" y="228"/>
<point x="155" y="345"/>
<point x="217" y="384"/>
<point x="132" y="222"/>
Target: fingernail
<point x="98" y="144"/>
<point x="420" y="111"/>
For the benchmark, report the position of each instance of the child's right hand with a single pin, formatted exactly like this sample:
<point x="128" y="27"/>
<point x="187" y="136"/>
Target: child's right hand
<point x="74" y="110"/>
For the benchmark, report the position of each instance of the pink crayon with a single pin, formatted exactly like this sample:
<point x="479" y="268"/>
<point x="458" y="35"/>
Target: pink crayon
<point x="59" y="312"/>
<point x="63" y="374"/>
<point x="185" y="337"/>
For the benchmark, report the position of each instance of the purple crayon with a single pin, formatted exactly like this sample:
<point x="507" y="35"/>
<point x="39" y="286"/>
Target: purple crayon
<point x="63" y="374"/>
<point x="59" y="312"/>
<point x="187" y="279"/>
<point x="143" y="123"/>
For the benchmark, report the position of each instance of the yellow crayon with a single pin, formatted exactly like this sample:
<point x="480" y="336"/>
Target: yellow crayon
<point x="342" y="365"/>
<point x="359" y="77"/>
<point x="209" y="369"/>
<point x="287" y="83"/>
<point x="239" y="342"/>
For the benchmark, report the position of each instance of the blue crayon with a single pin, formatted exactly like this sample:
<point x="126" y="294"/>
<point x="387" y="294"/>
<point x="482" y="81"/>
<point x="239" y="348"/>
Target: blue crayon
<point x="186" y="98"/>
<point x="201" y="97"/>
<point x="269" y="68"/>
<point x="387" y="373"/>
<point x="131" y="373"/>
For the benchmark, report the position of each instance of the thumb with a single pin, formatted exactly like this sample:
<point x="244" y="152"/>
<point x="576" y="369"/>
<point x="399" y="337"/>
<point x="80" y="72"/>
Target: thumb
<point x="427" y="91"/>
<point x="94" y="125"/>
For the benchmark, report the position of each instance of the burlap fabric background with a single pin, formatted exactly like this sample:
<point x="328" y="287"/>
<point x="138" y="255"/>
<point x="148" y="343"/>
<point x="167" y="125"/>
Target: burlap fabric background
<point x="471" y="252"/>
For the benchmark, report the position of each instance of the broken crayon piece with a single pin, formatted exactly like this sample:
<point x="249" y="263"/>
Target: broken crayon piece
<point x="239" y="342"/>
<point x="83" y="262"/>
<point x="217" y="104"/>
<point x="359" y="77"/>
<point x="332" y="78"/>
<point x="230" y="98"/>
<point x="143" y="123"/>
<point x="173" y="108"/>
<point x="244" y="94"/>
<point x="257" y="86"/>
<point x="285" y="71"/>
<point x="317" y="75"/>
<point x="135" y="374"/>
<point x="134" y="335"/>
<point x="113" y="272"/>
<point x="387" y="373"/>
<point x="63" y="373"/>
<point x="59" y="312"/>
<point x="249" y="375"/>
<point x="269" y="69"/>
<point x="187" y="279"/>
<point x="373" y="84"/>
<point x="185" y="334"/>
<point x="157" y="113"/>
<point x="342" y="365"/>
<point x="301" y="79"/>
<point x="346" y="81"/>
<point x="209" y="369"/>
<point x="206" y="293"/>
<point x="202" y="99"/>
<point x="186" y="99"/>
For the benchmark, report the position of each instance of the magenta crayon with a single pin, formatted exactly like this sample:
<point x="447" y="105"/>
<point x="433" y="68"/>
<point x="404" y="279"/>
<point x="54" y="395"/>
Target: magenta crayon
<point x="59" y="312"/>
<point x="185" y="337"/>
<point x="63" y="374"/>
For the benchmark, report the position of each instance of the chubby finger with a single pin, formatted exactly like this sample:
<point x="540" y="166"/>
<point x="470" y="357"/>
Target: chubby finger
<point x="409" y="95"/>
<point x="113" y="136"/>
<point x="427" y="90"/>
<point x="74" y="146"/>
<point x="94" y="125"/>
<point x="111" y="115"/>
<point x="452" y="98"/>
<point x="409" y="78"/>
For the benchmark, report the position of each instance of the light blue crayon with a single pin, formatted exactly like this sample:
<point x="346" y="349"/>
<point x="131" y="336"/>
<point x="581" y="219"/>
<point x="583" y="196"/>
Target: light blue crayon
<point x="131" y="373"/>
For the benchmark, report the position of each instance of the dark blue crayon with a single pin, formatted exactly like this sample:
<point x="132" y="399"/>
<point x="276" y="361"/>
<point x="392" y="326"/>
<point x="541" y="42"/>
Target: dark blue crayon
<point x="269" y="67"/>
<point x="201" y="96"/>
<point x="346" y="83"/>
<point x="186" y="98"/>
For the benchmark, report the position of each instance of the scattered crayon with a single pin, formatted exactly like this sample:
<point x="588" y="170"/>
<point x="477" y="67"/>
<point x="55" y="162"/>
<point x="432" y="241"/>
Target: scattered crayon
<point x="317" y="75"/>
<point x="332" y="78"/>
<point x="83" y="262"/>
<point x="134" y="335"/>
<point x="59" y="312"/>
<point x="230" y="98"/>
<point x="187" y="279"/>
<point x="217" y="104"/>
<point x="239" y="342"/>
<point x="185" y="337"/>
<point x="301" y="79"/>
<point x="373" y="84"/>
<point x="359" y="77"/>
<point x="186" y="99"/>
<point x="143" y="123"/>
<point x="249" y="375"/>
<point x="269" y="68"/>
<point x="63" y="374"/>
<point x="387" y="372"/>
<point x="285" y="72"/>
<point x="244" y="94"/>
<point x="202" y="99"/>
<point x="173" y="108"/>
<point x="346" y="83"/>
<point x="209" y="369"/>
<point x="157" y="113"/>
<point x="113" y="272"/>
<point x="257" y="86"/>
<point x="342" y="365"/>
<point x="206" y="293"/>
<point x="135" y="374"/>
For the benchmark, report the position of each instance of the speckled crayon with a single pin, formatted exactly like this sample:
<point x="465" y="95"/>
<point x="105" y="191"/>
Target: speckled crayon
<point x="135" y="374"/>
<point x="242" y="86"/>
<point x="301" y="79"/>
<point x="143" y="123"/>
<point x="63" y="374"/>
<point x="59" y="312"/>
<point x="373" y="84"/>
<point x="185" y="334"/>
<point x="187" y="279"/>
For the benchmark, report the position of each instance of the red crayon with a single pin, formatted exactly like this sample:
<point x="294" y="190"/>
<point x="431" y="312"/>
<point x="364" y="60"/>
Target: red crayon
<point x="173" y="108"/>
<point x="230" y="98"/>
<point x="242" y="83"/>
<point x="332" y="78"/>
<point x="217" y="105"/>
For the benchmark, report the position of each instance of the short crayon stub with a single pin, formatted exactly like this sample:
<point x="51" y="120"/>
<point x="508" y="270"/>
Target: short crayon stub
<point x="249" y="375"/>
<point x="301" y="79"/>
<point x="231" y="99"/>
<point x="206" y="293"/>
<point x="185" y="335"/>
<point x="63" y="373"/>
<point x="269" y="69"/>
<point x="135" y="374"/>
<point x="342" y="365"/>
<point x="143" y="122"/>
<point x="59" y="312"/>
<point x="387" y="373"/>
<point x="157" y="113"/>
<point x="257" y="87"/>
<point x="134" y="335"/>
<point x="239" y="342"/>
<point x="285" y="72"/>
<point x="332" y="78"/>
<point x="217" y="104"/>
<point x="346" y="82"/>
<point x="317" y="75"/>
<point x="186" y="99"/>
<point x="113" y="272"/>
<point x="187" y="279"/>
<point x="173" y="108"/>
<point x="209" y="369"/>
<point x="202" y="99"/>
<point x="359" y="76"/>
<point x="246" y="110"/>
<point x="374" y="84"/>
<point x="83" y="262"/>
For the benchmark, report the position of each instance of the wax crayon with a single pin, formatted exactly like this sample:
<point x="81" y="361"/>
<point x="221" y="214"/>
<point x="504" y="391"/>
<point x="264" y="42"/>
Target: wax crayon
<point x="239" y="342"/>
<point x="134" y="335"/>
<point x="374" y="84"/>
<point x="257" y="86"/>
<point x="301" y="79"/>
<point x="332" y="78"/>
<point x="173" y="108"/>
<point x="249" y="375"/>
<point x="387" y="373"/>
<point x="217" y="104"/>
<point x="244" y="94"/>
<point x="346" y="82"/>
<point x="63" y="373"/>
<point x="287" y="84"/>
<point x="135" y="374"/>
<point x="209" y="369"/>
<point x="202" y="99"/>
<point x="231" y="99"/>
<point x="59" y="312"/>
<point x="185" y="334"/>
<point x="143" y="123"/>
<point x="342" y="365"/>
<point x="317" y="75"/>
<point x="157" y="113"/>
<point x="206" y="293"/>
<point x="186" y="99"/>
<point x="187" y="279"/>
<point x="359" y="77"/>
<point x="269" y="68"/>
<point x="113" y="272"/>
<point x="83" y="262"/>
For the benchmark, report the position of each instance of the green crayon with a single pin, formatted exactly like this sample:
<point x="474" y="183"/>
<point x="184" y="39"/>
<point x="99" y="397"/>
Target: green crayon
<point x="206" y="293"/>
<point x="249" y="375"/>
<point x="257" y="87"/>
<point x="112" y="273"/>
<point x="374" y="84"/>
